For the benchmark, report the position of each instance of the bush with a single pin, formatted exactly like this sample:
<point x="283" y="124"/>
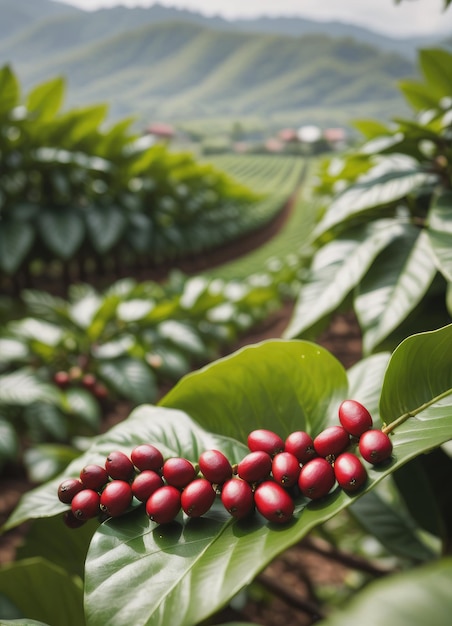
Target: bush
<point x="382" y="244"/>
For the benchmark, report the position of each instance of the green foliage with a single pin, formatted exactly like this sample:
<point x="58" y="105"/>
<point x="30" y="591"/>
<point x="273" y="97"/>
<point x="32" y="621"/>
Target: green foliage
<point x="410" y="599"/>
<point x="121" y="344"/>
<point x="279" y="383"/>
<point x="383" y="241"/>
<point x="75" y="192"/>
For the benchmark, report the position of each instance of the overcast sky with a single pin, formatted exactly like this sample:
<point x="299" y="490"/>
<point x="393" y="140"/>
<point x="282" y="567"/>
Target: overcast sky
<point x="411" y="17"/>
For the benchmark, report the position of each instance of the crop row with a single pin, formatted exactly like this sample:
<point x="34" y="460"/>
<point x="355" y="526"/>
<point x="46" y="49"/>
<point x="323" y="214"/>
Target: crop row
<point x="82" y="197"/>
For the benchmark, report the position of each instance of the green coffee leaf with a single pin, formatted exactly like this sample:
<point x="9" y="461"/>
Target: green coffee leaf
<point x="414" y="598"/>
<point x="52" y="595"/>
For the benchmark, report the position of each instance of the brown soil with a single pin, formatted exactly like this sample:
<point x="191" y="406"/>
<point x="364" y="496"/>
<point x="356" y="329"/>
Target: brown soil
<point x="285" y="593"/>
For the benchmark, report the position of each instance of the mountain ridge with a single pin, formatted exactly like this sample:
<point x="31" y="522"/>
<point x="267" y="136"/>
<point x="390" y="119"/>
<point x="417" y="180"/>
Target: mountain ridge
<point x="198" y="67"/>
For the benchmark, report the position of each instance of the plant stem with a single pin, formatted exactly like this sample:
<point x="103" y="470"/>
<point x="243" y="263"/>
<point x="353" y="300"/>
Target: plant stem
<point x="282" y="591"/>
<point x="351" y="561"/>
<point x="400" y="420"/>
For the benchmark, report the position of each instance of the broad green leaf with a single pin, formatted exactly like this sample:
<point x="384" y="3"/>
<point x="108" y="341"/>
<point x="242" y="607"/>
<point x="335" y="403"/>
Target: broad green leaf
<point x="44" y="461"/>
<point x="45" y="100"/>
<point x="16" y="239"/>
<point x="9" y="443"/>
<point x="12" y="350"/>
<point x="385" y="184"/>
<point x="419" y="379"/>
<point x="277" y="384"/>
<point x="183" y="336"/>
<point x="22" y="388"/>
<point x="439" y="231"/>
<point x="105" y="226"/>
<point x="9" y="89"/>
<point x="436" y="65"/>
<point x="52" y="595"/>
<point x="394" y="286"/>
<point x="336" y="269"/>
<point x="371" y="128"/>
<point x="414" y="598"/>
<point x="130" y="378"/>
<point x="83" y="406"/>
<point x="34" y="329"/>
<point x="62" y="230"/>
<point x="174" y="433"/>
<point x="415" y="487"/>
<point x="45" y="419"/>
<point x="51" y="539"/>
<point x="44" y="305"/>
<point x="393" y="528"/>
<point x="134" y="310"/>
<point x="115" y="348"/>
<point x="418" y="95"/>
<point x="84" y="309"/>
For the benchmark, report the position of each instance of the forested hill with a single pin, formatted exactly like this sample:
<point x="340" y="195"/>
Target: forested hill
<point x="166" y="63"/>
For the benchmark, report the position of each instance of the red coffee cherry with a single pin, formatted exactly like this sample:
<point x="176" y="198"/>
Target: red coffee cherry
<point x="71" y="521"/>
<point x="255" y="466"/>
<point x="331" y="441"/>
<point x="285" y="469"/>
<point x="215" y="466"/>
<point x="354" y="417"/>
<point x="94" y="477"/>
<point x="237" y="498"/>
<point x="178" y="472"/>
<point x="147" y="457"/>
<point x="85" y="504"/>
<point x="100" y="391"/>
<point x="316" y="478"/>
<point x="61" y="379"/>
<point x="197" y="497"/>
<point x="145" y="483"/>
<point x="68" y="488"/>
<point x="266" y="441"/>
<point x="89" y="381"/>
<point x="350" y="473"/>
<point x="164" y="504"/>
<point x="119" y="466"/>
<point x="273" y="502"/>
<point x="375" y="446"/>
<point x="116" y="498"/>
<point x="301" y="445"/>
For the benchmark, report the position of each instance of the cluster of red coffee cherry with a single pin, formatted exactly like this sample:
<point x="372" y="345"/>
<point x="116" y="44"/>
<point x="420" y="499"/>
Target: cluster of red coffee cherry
<point x="267" y="478"/>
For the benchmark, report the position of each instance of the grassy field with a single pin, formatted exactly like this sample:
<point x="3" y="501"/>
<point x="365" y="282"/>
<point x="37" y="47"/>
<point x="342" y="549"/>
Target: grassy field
<point x="292" y="238"/>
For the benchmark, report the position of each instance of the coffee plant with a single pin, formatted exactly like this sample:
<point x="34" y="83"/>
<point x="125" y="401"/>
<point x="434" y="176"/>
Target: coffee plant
<point x="276" y="398"/>
<point x="384" y="238"/>
<point x="78" y="197"/>
<point x="67" y="361"/>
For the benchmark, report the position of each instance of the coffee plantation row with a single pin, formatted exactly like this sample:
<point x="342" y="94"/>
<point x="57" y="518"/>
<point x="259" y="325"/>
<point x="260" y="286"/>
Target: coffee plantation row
<point x="79" y="198"/>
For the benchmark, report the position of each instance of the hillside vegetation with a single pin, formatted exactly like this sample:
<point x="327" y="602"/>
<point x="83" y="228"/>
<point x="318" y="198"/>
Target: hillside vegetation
<point x="152" y="68"/>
